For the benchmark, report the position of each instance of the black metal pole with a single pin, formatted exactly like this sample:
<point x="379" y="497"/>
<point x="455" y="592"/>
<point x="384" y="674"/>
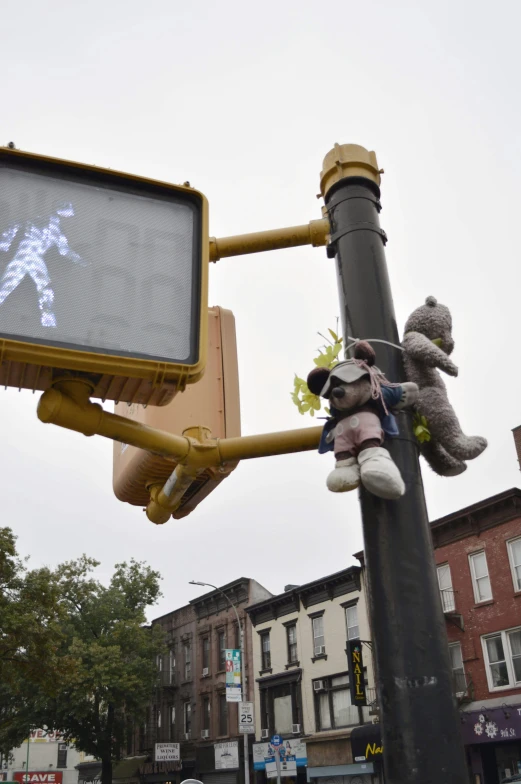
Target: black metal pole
<point x="420" y="724"/>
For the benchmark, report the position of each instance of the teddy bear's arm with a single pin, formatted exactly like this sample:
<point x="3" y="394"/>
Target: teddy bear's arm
<point x="423" y="350"/>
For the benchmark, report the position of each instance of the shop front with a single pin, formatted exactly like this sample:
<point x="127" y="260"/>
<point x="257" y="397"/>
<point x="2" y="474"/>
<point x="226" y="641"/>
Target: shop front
<point x="219" y="763"/>
<point x="293" y="750"/>
<point x="492" y="738"/>
<point x="331" y="759"/>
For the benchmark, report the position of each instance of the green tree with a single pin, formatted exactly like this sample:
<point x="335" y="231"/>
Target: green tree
<point x="79" y="656"/>
<point x="113" y="653"/>
<point x="31" y="637"/>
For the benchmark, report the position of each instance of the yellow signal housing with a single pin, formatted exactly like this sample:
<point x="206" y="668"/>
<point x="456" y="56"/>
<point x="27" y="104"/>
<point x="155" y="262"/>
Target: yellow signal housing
<point x="212" y="404"/>
<point x="103" y="276"/>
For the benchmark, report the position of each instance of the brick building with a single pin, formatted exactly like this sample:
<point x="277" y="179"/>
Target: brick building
<point x="478" y="557"/>
<point x="190" y="705"/>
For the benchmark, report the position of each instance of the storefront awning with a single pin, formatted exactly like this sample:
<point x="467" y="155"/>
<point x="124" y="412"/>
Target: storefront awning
<point x="340" y="770"/>
<point x="366" y="743"/>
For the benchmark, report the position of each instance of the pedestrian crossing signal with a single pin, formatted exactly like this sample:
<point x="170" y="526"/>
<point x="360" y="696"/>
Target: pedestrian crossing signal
<point x="101" y="273"/>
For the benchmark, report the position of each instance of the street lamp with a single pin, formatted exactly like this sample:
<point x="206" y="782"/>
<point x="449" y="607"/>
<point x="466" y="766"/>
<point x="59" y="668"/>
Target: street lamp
<point x="243" y="660"/>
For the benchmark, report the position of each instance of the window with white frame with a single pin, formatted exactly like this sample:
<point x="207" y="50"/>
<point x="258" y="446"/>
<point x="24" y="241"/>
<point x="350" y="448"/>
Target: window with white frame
<point x="353" y="630"/>
<point x="172" y="723"/>
<point x="171" y="665"/>
<point x="188" y="660"/>
<point x="265" y="650"/>
<point x="514" y="554"/>
<point x="188" y="717"/>
<point x="445" y="586"/>
<point x="459" y="682"/>
<point x="291" y="634"/>
<point x="319" y="642"/>
<point x="503" y="658"/>
<point x="480" y="578"/>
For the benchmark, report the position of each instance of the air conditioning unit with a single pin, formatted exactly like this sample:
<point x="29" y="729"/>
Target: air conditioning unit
<point x="205" y="733"/>
<point x="296" y="729"/>
<point x="187" y="736"/>
<point x="320" y="650"/>
<point x="318" y="685"/>
<point x="205" y="672"/>
<point x="265" y="734"/>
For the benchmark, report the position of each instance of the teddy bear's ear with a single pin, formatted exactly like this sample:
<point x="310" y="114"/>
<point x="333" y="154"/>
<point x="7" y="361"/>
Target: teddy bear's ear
<point x="364" y="350"/>
<point x="431" y="302"/>
<point x="317" y="379"/>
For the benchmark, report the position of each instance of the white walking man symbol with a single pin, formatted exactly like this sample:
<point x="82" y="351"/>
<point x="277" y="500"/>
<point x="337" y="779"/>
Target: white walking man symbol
<point x="28" y="259"/>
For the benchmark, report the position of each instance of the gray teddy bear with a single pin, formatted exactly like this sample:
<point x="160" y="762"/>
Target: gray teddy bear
<point x="427" y="344"/>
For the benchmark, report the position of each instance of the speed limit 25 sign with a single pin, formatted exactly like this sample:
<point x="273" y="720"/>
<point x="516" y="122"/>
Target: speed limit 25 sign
<point x="246" y="720"/>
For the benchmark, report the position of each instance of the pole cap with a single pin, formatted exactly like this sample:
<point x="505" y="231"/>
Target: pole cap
<point x="348" y="160"/>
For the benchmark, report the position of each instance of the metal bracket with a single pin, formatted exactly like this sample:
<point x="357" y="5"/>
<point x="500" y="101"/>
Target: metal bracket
<point x="362" y="226"/>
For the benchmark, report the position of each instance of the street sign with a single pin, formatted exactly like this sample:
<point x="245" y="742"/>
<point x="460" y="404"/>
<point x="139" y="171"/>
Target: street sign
<point x="276" y="740"/>
<point x="233" y="675"/>
<point x="102" y="273"/>
<point x="167" y="752"/>
<point x="246" y="718"/>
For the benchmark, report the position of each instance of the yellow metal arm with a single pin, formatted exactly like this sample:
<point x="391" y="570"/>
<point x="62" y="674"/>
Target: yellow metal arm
<point x="68" y="405"/>
<point x="313" y="233"/>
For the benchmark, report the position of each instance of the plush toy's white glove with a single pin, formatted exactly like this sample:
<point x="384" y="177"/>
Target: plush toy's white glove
<point x="409" y="395"/>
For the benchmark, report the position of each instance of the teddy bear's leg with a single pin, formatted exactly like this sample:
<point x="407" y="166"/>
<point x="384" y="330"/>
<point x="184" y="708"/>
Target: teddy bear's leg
<point x="440" y="461"/>
<point x="380" y="474"/>
<point x="345" y="476"/>
<point x="445" y="427"/>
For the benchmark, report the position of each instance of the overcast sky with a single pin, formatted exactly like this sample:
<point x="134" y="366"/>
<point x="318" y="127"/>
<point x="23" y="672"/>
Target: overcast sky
<point x="244" y="100"/>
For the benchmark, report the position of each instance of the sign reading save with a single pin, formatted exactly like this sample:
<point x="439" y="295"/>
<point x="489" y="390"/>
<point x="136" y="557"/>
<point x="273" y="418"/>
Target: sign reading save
<point x="38" y="777"/>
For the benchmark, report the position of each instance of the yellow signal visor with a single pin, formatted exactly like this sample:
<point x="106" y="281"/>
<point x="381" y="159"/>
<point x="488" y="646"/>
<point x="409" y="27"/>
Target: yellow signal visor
<point x="101" y="273"/>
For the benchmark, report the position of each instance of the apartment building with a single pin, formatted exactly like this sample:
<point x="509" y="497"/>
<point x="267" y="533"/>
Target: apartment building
<point x="478" y="557"/>
<point x="302" y="678"/>
<point x="189" y="706"/>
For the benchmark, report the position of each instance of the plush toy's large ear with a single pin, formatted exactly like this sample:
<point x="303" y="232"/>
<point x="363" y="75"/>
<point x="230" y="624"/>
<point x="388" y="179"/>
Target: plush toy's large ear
<point x="317" y="379"/>
<point x="364" y="350"/>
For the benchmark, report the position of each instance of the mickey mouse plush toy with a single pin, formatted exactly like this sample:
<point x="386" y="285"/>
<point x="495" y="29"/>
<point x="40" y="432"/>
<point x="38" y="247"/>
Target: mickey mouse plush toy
<point x="362" y="400"/>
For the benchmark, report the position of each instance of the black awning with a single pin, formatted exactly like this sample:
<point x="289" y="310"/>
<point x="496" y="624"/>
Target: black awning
<point x="89" y="771"/>
<point x="366" y="743"/>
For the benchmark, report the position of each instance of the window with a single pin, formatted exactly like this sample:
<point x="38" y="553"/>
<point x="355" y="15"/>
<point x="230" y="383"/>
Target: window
<point x="280" y="703"/>
<point x="291" y="632"/>
<point x="353" y="631"/>
<point x="514" y="553"/>
<point x="503" y="657"/>
<point x="480" y="578"/>
<point x="206" y="713"/>
<point x="237" y="636"/>
<point x="445" y="585"/>
<point x="187" y="709"/>
<point x="318" y="635"/>
<point x="223" y="715"/>
<point x="333" y="703"/>
<point x="459" y="681"/>
<point x="188" y="660"/>
<point x="265" y="650"/>
<point x="206" y="654"/>
<point x="62" y="755"/>
<point x="222" y="649"/>
<point x="159" y="718"/>
<point x="171" y="666"/>
<point x="172" y="723"/>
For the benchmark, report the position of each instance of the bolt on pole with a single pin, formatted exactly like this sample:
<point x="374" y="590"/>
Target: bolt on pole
<point x="421" y="730"/>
